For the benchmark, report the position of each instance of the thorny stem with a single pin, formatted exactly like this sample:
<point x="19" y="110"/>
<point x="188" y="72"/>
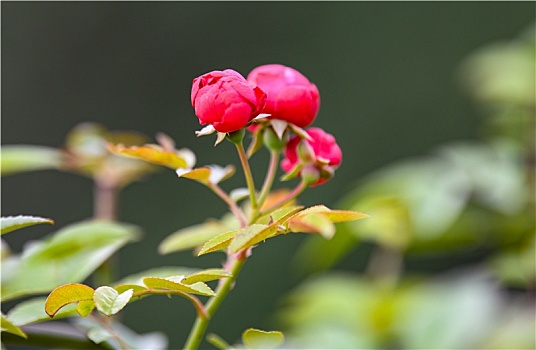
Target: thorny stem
<point x="201" y="323"/>
<point x="247" y="174"/>
<point x="237" y="212"/>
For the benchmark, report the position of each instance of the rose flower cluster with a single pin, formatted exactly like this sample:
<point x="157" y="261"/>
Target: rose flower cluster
<point x="229" y="102"/>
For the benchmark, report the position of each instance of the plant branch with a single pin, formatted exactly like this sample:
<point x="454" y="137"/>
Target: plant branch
<point x="247" y="174"/>
<point x="200" y="326"/>
<point x="302" y="186"/>
<point x="237" y="212"/>
<point x="268" y="180"/>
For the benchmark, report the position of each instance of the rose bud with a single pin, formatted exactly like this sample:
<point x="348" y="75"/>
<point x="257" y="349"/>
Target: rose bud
<point x="226" y="100"/>
<point x="320" y="152"/>
<point x="290" y="95"/>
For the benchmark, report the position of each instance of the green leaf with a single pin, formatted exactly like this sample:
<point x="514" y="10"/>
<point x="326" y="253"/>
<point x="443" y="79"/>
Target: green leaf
<point x="191" y="237"/>
<point x="8" y="326"/>
<point x="257" y="339"/>
<point x="109" y="333"/>
<point x="109" y="301"/>
<point x="12" y="223"/>
<point x="69" y="256"/>
<point x="217" y="243"/>
<point x="33" y="311"/>
<point x="15" y="159"/>
<point x="85" y="307"/>
<point x="206" y="276"/>
<point x="168" y="284"/>
<point x="120" y="288"/>
<point x="212" y="174"/>
<point x="251" y="235"/>
<point x="163" y="271"/>
<point x="280" y="215"/>
<point x="67" y="294"/>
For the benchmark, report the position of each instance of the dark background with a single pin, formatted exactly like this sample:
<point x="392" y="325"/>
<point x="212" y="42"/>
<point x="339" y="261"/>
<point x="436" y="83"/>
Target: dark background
<point x="389" y="85"/>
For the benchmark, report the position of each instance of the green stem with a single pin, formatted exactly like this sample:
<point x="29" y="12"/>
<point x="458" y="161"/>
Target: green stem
<point x="302" y="186"/>
<point x="247" y="174"/>
<point x="201" y="323"/>
<point x="268" y="181"/>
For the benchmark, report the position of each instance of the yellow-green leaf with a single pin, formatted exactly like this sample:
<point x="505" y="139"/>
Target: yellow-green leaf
<point x="85" y="307"/>
<point x="12" y="223"/>
<point x="206" y="275"/>
<point x="67" y="294"/>
<point x="344" y="215"/>
<point x="258" y="339"/>
<point x="168" y="284"/>
<point x="191" y="237"/>
<point x="312" y="223"/>
<point x="33" y="311"/>
<point x="212" y="174"/>
<point x="8" y="326"/>
<point x="153" y="154"/>
<point x="251" y="235"/>
<point x="15" y="159"/>
<point x="217" y="243"/>
<point x="120" y="288"/>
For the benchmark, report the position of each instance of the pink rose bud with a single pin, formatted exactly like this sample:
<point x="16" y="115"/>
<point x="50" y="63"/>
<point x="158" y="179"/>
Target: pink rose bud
<point x="321" y="151"/>
<point x="226" y="100"/>
<point x="290" y="95"/>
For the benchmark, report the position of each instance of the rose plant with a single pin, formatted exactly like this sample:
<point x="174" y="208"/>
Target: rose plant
<point x="274" y="103"/>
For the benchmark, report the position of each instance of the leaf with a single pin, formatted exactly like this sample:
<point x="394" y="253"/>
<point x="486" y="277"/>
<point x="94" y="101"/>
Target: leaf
<point x="206" y="276"/>
<point x="67" y="294"/>
<point x="20" y="158"/>
<point x="167" y="284"/>
<point x="164" y="271"/>
<point x="109" y="301"/>
<point x="212" y="174"/>
<point x="120" y="288"/>
<point x="320" y="219"/>
<point x="155" y="154"/>
<point x="313" y="223"/>
<point x="33" y="311"/>
<point x="69" y="256"/>
<point x="258" y="339"/>
<point x="8" y="326"/>
<point x="191" y="237"/>
<point x="12" y="223"/>
<point x="217" y="243"/>
<point x="251" y="235"/>
<point x="113" y="330"/>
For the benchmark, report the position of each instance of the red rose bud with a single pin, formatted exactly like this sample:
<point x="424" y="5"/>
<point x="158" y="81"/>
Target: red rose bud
<point x="290" y="95"/>
<point x="321" y="151"/>
<point x="226" y="100"/>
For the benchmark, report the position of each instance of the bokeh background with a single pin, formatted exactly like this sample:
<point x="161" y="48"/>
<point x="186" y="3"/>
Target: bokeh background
<point x="388" y="74"/>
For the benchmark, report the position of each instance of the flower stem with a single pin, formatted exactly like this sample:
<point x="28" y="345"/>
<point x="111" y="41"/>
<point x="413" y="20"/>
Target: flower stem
<point x="268" y="181"/>
<point x="201" y="323"/>
<point x="247" y="174"/>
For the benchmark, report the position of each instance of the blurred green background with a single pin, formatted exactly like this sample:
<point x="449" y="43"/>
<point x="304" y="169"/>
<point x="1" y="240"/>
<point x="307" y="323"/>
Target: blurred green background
<point x="388" y="75"/>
